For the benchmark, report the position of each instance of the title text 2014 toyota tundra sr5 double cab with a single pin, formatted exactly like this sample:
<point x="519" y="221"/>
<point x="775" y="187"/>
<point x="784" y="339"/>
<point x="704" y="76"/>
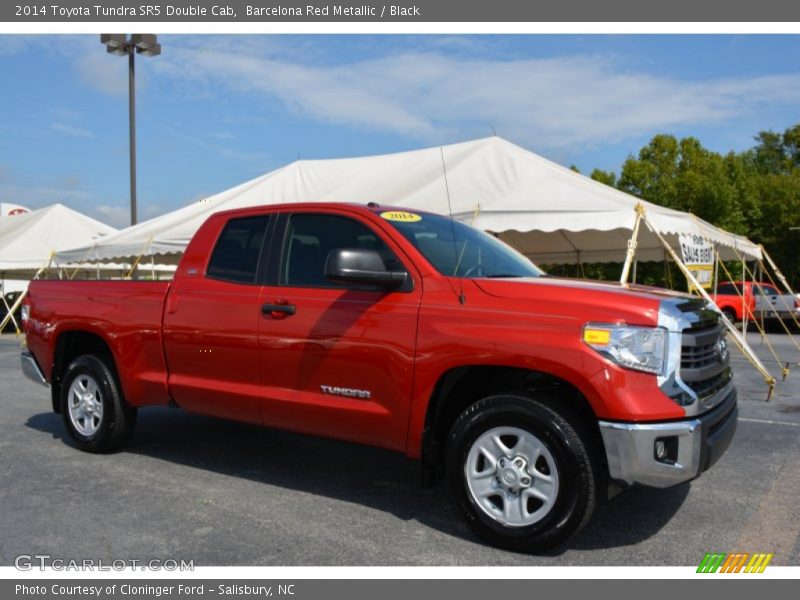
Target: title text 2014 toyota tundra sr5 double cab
<point x="408" y="331"/>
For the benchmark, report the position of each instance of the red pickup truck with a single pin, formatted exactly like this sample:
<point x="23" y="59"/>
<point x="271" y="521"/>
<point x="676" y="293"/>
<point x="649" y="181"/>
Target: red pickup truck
<point x="763" y="301"/>
<point x="406" y="330"/>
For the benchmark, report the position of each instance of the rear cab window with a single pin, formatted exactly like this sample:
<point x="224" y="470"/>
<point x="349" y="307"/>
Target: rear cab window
<point x="237" y="253"/>
<point x="728" y="289"/>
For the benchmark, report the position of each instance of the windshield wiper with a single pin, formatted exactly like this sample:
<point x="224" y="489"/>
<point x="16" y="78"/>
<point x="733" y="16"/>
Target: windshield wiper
<point x="493" y="275"/>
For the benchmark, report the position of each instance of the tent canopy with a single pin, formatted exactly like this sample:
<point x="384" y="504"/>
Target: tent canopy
<point x="548" y="212"/>
<point x="28" y="240"/>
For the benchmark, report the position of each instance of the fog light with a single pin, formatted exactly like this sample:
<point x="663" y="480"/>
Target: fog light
<point x="661" y="450"/>
<point x="665" y="449"/>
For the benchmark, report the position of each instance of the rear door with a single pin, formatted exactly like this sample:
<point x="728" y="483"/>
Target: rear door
<point x="211" y="325"/>
<point x="336" y="359"/>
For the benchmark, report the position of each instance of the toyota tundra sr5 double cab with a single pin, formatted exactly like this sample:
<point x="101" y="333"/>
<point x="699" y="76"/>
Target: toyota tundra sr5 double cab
<point x="531" y="395"/>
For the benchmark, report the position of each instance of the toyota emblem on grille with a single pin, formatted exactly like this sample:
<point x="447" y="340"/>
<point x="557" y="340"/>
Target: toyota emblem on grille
<point x="722" y="349"/>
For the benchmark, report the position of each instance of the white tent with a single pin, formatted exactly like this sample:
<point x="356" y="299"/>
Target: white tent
<point x="28" y="240"/>
<point x="551" y="214"/>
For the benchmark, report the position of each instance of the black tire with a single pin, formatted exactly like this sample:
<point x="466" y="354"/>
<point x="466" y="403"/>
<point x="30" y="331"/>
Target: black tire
<point x="116" y="424"/>
<point x="569" y="442"/>
<point x="729" y="314"/>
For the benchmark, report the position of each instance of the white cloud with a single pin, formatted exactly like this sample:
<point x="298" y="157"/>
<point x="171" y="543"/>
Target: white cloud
<point x="71" y="130"/>
<point x="222" y="150"/>
<point x="116" y="216"/>
<point x="433" y="89"/>
<point x="119" y="216"/>
<point x="430" y="96"/>
<point x="102" y="71"/>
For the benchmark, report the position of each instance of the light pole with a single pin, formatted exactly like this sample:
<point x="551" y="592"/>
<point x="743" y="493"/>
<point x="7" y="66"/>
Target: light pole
<point x="119" y="44"/>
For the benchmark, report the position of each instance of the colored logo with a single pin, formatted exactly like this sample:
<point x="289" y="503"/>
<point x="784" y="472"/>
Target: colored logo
<point x="738" y="562"/>
<point x="402" y="216"/>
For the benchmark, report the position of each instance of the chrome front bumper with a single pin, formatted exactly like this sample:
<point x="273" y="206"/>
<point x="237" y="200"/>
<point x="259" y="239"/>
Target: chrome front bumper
<point x="31" y="368"/>
<point x="630" y="447"/>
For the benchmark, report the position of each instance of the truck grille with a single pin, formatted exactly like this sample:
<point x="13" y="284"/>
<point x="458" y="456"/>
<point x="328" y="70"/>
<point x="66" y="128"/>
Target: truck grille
<point x="709" y="387"/>
<point x="694" y="357"/>
<point x="704" y="360"/>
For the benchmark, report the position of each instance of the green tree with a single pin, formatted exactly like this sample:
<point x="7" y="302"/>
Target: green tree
<point x="755" y="193"/>
<point x="770" y="156"/>
<point x="607" y="177"/>
<point x="685" y="176"/>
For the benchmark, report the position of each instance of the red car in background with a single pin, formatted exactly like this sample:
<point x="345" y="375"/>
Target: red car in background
<point x="762" y="301"/>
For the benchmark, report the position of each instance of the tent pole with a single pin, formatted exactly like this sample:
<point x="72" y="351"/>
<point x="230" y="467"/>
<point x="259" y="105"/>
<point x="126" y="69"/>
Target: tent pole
<point x="775" y="268"/>
<point x="20" y="299"/>
<point x="764" y="271"/>
<point x="632" y="243"/>
<point x="716" y="273"/>
<point x="762" y="329"/>
<point x="761" y="269"/>
<point x="9" y="313"/>
<point x="744" y="296"/>
<point x="11" y="310"/>
<point x="738" y="338"/>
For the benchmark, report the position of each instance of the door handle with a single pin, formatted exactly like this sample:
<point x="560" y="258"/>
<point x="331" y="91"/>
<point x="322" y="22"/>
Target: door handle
<point x="278" y="310"/>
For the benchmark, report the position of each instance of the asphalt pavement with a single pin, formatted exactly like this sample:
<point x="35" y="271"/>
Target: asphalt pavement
<point x="221" y="493"/>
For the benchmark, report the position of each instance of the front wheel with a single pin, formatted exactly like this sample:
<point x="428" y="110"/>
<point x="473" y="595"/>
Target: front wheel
<point x="523" y="471"/>
<point x="95" y="414"/>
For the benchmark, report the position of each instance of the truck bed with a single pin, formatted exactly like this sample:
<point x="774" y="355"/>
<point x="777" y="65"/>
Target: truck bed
<point x="127" y="313"/>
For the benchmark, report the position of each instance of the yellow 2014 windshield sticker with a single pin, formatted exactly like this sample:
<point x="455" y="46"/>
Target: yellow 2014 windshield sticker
<point x="402" y="216"/>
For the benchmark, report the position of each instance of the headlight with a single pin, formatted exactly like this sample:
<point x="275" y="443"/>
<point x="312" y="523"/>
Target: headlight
<point x="639" y="348"/>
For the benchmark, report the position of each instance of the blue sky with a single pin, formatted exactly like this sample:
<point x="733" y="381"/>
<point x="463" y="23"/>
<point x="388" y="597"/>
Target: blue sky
<point x="214" y="111"/>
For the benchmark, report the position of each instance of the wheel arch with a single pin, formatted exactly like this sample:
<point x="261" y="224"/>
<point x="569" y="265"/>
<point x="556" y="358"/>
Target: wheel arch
<point x="462" y="386"/>
<point x="69" y="345"/>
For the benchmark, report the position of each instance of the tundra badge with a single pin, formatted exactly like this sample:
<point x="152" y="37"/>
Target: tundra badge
<point x="350" y="392"/>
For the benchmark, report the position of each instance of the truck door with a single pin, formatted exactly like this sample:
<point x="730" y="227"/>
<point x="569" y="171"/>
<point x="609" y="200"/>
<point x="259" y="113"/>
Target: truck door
<point x="336" y="359"/>
<point x="211" y="324"/>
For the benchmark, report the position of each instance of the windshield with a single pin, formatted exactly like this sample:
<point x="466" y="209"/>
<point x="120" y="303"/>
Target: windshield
<point x="459" y="250"/>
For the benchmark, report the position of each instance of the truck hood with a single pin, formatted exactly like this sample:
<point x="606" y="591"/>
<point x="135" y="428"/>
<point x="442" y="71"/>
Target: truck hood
<point x="524" y="286"/>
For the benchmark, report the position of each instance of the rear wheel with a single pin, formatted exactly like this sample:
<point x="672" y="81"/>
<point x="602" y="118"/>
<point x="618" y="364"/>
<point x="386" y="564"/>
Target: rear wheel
<point x="94" y="411"/>
<point x="522" y="471"/>
<point x="730" y="314"/>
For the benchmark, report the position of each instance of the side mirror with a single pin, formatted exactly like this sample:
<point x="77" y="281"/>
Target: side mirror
<point x="359" y="265"/>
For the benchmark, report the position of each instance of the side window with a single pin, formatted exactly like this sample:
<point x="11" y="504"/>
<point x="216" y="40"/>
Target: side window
<point x="726" y="289"/>
<point x="309" y="240"/>
<point x="235" y="257"/>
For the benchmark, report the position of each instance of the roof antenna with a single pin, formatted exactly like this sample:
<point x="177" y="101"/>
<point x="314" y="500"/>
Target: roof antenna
<point x="494" y="133"/>
<point x="461" y="297"/>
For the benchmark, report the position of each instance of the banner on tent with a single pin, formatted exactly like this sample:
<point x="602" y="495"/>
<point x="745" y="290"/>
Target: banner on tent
<point x="698" y="255"/>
